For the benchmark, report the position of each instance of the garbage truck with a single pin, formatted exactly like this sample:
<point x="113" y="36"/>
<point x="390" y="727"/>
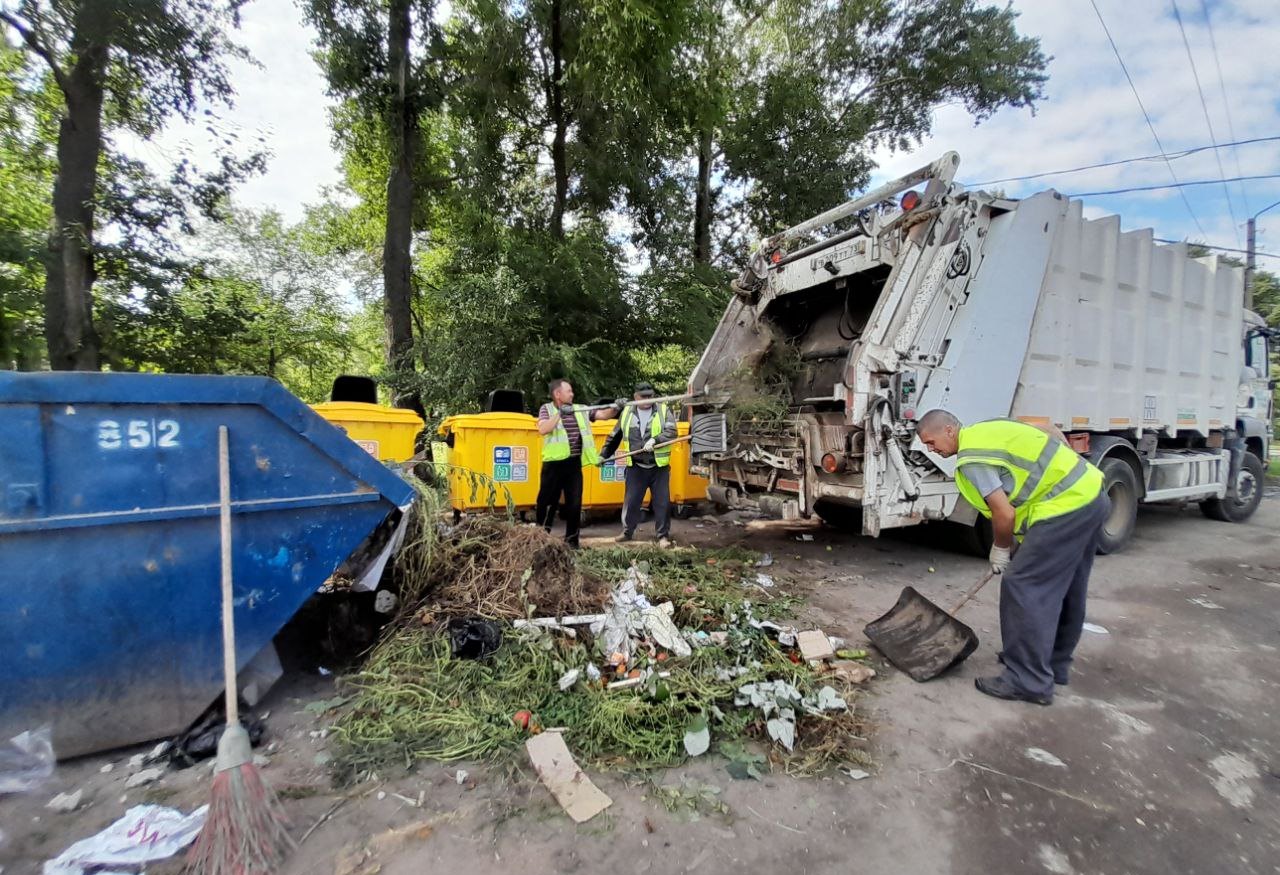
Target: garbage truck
<point x="921" y="294"/>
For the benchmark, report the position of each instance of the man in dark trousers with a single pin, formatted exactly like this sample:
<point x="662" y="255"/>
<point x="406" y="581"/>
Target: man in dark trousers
<point x="641" y="428"/>
<point x="567" y="447"/>
<point x="1037" y="490"/>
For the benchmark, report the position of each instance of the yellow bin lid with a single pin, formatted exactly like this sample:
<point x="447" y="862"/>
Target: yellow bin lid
<point x="487" y="420"/>
<point x="347" y="411"/>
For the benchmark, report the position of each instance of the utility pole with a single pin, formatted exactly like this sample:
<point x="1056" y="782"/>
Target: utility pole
<point x="1250" y="258"/>
<point x="1249" y="261"/>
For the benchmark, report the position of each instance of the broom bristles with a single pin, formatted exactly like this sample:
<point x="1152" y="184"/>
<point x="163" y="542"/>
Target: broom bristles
<point x="245" y="831"/>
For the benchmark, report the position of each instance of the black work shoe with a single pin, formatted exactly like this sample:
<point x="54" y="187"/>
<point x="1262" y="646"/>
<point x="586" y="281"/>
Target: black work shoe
<point x="1060" y="681"/>
<point x="1002" y="689"/>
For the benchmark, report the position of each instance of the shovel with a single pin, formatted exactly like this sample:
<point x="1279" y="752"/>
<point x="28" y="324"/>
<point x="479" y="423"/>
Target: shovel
<point x="920" y="638"/>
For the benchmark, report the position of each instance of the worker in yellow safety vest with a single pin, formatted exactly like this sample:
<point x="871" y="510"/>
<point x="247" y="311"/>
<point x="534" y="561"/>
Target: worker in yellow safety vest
<point x="567" y="447"/>
<point x="641" y="431"/>
<point x="1047" y="503"/>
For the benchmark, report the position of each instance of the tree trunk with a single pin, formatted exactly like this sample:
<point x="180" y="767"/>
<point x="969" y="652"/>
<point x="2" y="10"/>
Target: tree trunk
<point x="702" y="206"/>
<point x="68" y="288"/>
<point x="397" y="267"/>
<point x="559" y="159"/>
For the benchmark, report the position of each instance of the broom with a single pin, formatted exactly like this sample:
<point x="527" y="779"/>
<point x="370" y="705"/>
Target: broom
<point x="244" y="831"/>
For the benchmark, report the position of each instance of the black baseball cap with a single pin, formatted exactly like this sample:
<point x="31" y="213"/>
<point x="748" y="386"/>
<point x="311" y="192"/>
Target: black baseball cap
<point x="645" y="389"/>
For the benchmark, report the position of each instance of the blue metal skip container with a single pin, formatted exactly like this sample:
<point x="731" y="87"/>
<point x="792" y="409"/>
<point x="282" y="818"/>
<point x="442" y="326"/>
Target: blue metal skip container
<point x="109" y="553"/>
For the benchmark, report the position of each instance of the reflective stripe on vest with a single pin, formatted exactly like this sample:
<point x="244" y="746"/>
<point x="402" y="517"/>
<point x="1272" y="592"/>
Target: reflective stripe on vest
<point x="662" y="455"/>
<point x="1049" y="478"/>
<point x="555" y="443"/>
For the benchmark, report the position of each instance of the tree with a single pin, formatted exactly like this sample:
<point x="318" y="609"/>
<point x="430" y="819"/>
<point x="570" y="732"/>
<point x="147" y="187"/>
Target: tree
<point x="116" y="63"/>
<point x="27" y="123"/>
<point x="388" y="81"/>
<point x="792" y="96"/>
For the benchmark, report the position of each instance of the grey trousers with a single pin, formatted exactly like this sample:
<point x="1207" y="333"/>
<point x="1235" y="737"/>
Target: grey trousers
<point x="1042" y="597"/>
<point x="655" y="481"/>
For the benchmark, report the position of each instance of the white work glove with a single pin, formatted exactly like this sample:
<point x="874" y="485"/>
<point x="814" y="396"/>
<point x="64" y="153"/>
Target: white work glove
<point x="1000" y="558"/>
<point x="648" y="445"/>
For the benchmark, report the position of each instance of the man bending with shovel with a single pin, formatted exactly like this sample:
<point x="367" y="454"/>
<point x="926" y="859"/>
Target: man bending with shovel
<point x="1037" y="491"/>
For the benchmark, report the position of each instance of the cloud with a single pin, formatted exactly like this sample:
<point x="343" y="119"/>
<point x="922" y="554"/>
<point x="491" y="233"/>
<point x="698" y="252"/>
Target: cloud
<point x="1090" y="114"/>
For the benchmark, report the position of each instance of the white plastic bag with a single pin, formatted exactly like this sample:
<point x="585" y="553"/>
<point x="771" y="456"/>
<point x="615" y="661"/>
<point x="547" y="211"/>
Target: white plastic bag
<point x="27" y="760"/>
<point x="145" y="833"/>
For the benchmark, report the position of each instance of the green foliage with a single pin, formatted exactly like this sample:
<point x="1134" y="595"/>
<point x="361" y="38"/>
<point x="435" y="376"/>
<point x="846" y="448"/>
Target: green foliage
<point x="28" y="108"/>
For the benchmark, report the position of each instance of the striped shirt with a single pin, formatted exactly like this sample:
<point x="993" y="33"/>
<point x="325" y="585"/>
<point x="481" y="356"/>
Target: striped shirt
<point x="570" y="424"/>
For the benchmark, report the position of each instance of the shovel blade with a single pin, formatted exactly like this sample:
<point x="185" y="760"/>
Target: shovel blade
<point x="920" y="638"/>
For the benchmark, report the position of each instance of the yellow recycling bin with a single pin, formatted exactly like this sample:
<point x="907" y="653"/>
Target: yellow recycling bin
<point x="386" y="433"/>
<point x="493" y="460"/>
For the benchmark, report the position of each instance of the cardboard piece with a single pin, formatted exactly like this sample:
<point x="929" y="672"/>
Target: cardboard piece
<point x="580" y="799"/>
<point x="814" y="644"/>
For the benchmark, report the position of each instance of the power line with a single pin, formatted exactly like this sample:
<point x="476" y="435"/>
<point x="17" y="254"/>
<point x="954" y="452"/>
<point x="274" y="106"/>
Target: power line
<point x="1226" y="104"/>
<point x="1145" y="114"/>
<point x="1219" y="248"/>
<point x="1204" y="105"/>
<point x="1170" y="156"/>
<point x="1178" y="185"/>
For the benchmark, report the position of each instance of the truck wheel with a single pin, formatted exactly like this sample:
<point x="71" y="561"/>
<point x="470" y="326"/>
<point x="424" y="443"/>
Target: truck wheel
<point x="1122" y="488"/>
<point x="1241" y="501"/>
<point x="839" y="516"/>
<point x="977" y="538"/>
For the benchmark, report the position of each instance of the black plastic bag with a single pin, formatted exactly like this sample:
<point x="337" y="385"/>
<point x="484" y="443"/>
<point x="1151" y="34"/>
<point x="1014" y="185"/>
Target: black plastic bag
<point x="473" y="637"/>
<point x="201" y="741"/>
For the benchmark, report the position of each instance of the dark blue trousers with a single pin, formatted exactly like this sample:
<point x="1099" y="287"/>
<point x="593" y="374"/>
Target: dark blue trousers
<point x="1042" y="597"/>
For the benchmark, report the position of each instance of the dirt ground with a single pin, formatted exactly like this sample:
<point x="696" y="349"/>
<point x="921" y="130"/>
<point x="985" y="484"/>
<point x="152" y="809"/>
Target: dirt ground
<point x="1163" y="755"/>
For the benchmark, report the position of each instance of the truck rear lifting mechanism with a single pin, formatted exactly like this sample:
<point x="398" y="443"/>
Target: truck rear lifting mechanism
<point x="920" y="294"/>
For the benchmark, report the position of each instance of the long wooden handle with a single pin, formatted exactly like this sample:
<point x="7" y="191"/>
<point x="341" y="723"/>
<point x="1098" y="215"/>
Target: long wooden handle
<point x="228" y="607"/>
<point x="973" y="592"/>
<point x="678" y="440"/>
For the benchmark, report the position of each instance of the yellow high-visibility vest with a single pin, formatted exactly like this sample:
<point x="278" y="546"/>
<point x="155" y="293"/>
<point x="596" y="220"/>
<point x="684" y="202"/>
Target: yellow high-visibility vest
<point x="1049" y="478"/>
<point x="555" y="443"/>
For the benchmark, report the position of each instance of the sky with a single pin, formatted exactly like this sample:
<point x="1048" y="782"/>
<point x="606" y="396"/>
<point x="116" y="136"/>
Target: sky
<point x="1089" y="115"/>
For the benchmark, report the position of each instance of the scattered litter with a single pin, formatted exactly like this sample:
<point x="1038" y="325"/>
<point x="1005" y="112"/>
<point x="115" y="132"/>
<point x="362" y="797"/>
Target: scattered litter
<point x="324" y="672"/>
<point x="697" y="737"/>
<point x="382" y="794"/>
<point x="1095" y="629"/>
<point x="764" y="581"/>
<point x="593" y="673"/>
<point x="159" y="751"/>
<point x="106" y="768"/>
<point x="657" y="622"/>
<point x="385" y="601"/>
<point x="628" y="683"/>
<point x="460" y="777"/>
<point x="855" y="774"/>
<point x="560" y="774"/>
<point x="137" y="760"/>
<point x="805" y="537"/>
<point x="1204" y="602"/>
<point x="852" y="654"/>
<point x="569" y="678"/>
<point x="144" y="834"/>
<point x="27" y="760"/>
<point x="852" y="672"/>
<point x="815" y="645"/>
<point x="1040" y="755"/>
<point x="406" y="800"/>
<point x="146" y="776"/>
<point x="764" y="561"/>
<point x="474" y="637"/>
<point x="65" y="801"/>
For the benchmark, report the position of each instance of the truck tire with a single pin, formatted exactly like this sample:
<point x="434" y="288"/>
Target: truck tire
<point x="977" y="538"/>
<point x="1241" y="501"/>
<point x="1121" y="486"/>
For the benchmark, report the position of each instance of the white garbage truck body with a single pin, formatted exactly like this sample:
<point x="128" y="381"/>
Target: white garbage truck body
<point x="988" y="307"/>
